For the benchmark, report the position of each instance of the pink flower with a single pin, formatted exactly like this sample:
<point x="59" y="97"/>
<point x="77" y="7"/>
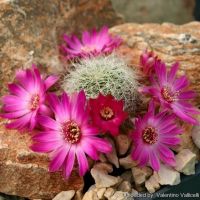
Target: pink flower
<point x="147" y="61"/>
<point x="172" y="93"/>
<point x="92" y="44"/>
<point x="69" y="135"/>
<point x="107" y="113"/>
<point x="153" y="135"/>
<point x="26" y="99"/>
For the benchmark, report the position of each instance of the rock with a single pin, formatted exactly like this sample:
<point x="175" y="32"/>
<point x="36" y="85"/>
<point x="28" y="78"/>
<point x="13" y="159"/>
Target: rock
<point x="118" y="195"/>
<point x="78" y="195"/>
<point x="152" y="184"/>
<point x="30" y="33"/>
<point x="31" y="30"/>
<point x="65" y="195"/>
<point x="124" y="186"/>
<point x="102" y="179"/>
<point x="90" y="195"/>
<point x="112" y="157"/>
<point x="164" y="40"/>
<point x="127" y="162"/>
<point x="185" y="162"/>
<point x="122" y="143"/>
<point x="144" y="11"/>
<point x="107" y="168"/>
<point x="28" y="170"/>
<point x="127" y="176"/>
<point x="140" y="175"/>
<point x="186" y="141"/>
<point x="109" y="192"/>
<point x="134" y="192"/>
<point x="100" y="192"/>
<point x="168" y="176"/>
<point x="102" y="158"/>
<point x="196" y="135"/>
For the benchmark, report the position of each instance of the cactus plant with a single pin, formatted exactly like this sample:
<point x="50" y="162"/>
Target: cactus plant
<point x="106" y="74"/>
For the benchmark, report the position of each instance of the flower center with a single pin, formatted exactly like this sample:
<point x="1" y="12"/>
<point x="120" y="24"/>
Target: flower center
<point x="71" y="131"/>
<point x="167" y="96"/>
<point x="35" y="100"/>
<point x="88" y="49"/>
<point x="149" y="135"/>
<point x="106" y="113"/>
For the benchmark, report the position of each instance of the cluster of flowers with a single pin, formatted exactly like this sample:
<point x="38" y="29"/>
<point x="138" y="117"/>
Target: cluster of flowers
<point x="69" y="127"/>
<point x="66" y="126"/>
<point x="158" y="131"/>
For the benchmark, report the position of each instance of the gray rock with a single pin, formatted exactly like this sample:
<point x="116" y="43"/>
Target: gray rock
<point x="127" y="176"/>
<point x="152" y="184"/>
<point x="78" y="195"/>
<point x="106" y="167"/>
<point x="196" y="135"/>
<point x="118" y="195"/>
<point x="140" y="175"/>
<point x="90" y="195"/>
<point x="168" y="176"/>
<point x="109" y="192"/>
<point x="122" y="143"/>
<point x="102" y="179"/>
<point x="100" y="192"/>
<point x="102" y="158"/>
<point x="112" y="157"/>
<point x="124" y="186"/>
<point x="185" y="162"/>
<point x="127" y="162"/>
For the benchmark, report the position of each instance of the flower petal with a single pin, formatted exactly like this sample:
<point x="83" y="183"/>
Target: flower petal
<point x="82" y="161"/>
<point x="58" y="158"/>
<point x="48" y="122"/>
<point x="172" y="72"/>
<point x="45" y="146"/>
<point x="69" y="161"/>
<point x="154" y="161"/>
<point x="20" y="123"/>
<point x="51" y="80"/>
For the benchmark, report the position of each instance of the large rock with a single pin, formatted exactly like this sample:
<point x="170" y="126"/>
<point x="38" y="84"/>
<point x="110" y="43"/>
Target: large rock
<point x="25" y="173"/>
<point x="185" y="162"/>
<point x="196" y="135"/>
<point x="170" y="42"/>
<point x="140" y="175"/>
<point x="127" y="162"/>
<point x="122" y="143"/>
<point x="103" y="179"/>
<point x="30" y="33"/>
<point x="187" y="141"/>
<point x="112" y="156"/>
<point x="152" y="184"/>
<point x="168" y="176"/>
<point x="30" y="30"/>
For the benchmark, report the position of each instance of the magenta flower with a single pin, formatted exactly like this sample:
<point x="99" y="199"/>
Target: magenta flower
<point x="69" y="135"/>
<point x="153" y="136"/>
<point x="172" y="93"/>
<point x="107" y="113"/>
<point x="92" y="44"/>
<point x="147" y="61"/>
<point x="26" y="99"/>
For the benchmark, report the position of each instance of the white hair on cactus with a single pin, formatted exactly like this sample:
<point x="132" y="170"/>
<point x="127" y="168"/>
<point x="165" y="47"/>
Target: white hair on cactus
<point x="106" y="74"/>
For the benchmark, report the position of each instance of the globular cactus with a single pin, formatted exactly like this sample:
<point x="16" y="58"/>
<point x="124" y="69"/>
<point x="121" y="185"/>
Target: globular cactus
<point x="106" y="74"/>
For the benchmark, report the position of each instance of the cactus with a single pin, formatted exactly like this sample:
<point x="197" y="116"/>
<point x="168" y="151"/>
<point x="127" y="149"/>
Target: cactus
<point x="106" y="74"/>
